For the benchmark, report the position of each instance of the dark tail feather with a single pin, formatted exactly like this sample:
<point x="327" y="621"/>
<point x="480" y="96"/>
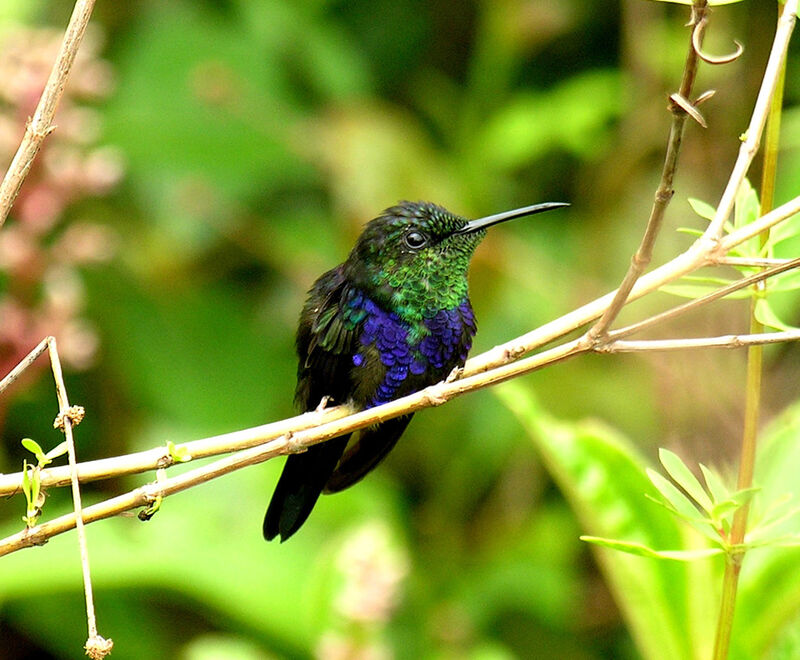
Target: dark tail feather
<point x="299" y="487"/>
<point x="371" y="448"/>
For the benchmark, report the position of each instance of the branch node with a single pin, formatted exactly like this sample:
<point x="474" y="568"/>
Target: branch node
<point x="512" y="353"/>
<point x="294" y="445"/>
<point x="34" y="538"/>
<point x="154" y="501"/>
<point x="98" y="647"/>
<point x="40" y="134"/>
<point x="680" y="101"/>
<point x="74" y="414"/>
<point x="435" y="398"/>
<point x="164" y="461"/>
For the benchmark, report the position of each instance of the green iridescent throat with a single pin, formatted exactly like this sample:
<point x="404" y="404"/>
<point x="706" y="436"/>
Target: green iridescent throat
<point x="413" y="280"/>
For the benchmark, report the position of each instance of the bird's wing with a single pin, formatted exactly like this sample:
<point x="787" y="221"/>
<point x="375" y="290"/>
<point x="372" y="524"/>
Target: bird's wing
<point x="326" y="339"/>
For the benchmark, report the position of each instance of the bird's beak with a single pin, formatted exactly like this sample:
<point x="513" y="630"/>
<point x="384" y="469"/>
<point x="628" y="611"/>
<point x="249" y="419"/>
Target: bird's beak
<point x="489" y="220"/>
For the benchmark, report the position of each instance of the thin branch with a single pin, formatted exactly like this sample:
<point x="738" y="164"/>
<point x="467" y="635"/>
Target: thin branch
<point x="641" y="259"/>
<point x="738" y="285"/>
<point x="752" y="137"/>
<point x="751" y="262"/>
<point x="26" y="362"/>
<point x="287" y="443"/>
<point x="725" y="341"/>
<point x="41" y="124"/>
<point x="159" y="457"/>
<point x="302" y="440"/>
<point x="487" y="369"/>
<point x="69" y="416"/>
<point x="767" y="221"/>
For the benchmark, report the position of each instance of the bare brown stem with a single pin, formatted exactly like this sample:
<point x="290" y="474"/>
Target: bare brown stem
<point x="41" y="124"/>
<point x="681" y="108"/>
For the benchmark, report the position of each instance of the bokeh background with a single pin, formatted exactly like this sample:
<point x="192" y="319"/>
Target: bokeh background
<point x="211" y="159"/>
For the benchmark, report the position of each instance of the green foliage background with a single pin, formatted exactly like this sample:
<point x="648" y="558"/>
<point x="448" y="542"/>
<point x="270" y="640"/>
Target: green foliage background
<point x="257" y="138"/>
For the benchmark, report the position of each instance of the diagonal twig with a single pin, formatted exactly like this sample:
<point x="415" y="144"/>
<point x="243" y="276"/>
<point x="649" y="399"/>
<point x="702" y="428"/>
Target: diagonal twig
<point x="41" y="124"/>
<point x="681" y="109"/>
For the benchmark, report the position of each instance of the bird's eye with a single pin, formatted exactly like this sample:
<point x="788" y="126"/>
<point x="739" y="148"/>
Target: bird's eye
<point x="415" y="240"/>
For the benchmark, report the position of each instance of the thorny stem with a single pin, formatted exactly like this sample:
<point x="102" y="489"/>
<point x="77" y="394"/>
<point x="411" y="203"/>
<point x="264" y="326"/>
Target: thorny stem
<point x="734" y="561"/>
<point x="641" y="259"/>
<point x="41" y="124"/>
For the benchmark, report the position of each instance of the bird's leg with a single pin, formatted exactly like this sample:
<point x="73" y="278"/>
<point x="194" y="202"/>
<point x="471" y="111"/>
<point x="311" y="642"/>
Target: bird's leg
<point x="455" y="374"/>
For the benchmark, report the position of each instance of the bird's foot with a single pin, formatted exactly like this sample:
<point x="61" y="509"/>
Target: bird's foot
<point x="455" y="374"/>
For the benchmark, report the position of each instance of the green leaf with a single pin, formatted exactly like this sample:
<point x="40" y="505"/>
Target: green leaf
<point x="683" y="476"/>
<point x="767" y="316"/>
<point x="743" y="496"/>
<point x="788" y="541"/>
<point x="746" y="210"/>
<point x="716" y="487"/>
<point x="33" y="447"/>
<point x="179" y="454"/>
<point x="703" y="209"/>
<point x="746" y="206"/>
<point x="759" y="531"/>
<point x="769" y="588"/>
<point x="603" y="478"/>
<point x="644" y="551"/>
<point x="693" y="286"/>
<point x="788" y="281"/>
<point x="26" y="481"/>
<point x="679" y="502"/>
<point x="704" y="526"/>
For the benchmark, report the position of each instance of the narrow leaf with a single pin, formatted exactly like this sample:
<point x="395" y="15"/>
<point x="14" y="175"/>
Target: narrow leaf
<point x="744" y="495"/>
<point x="684" y="477"/>
<point x="703" y="209"/>
<point x="702" y="525"/>
<point x="26" y="481"/>
<point x="645" y="551"/>
<point x="760" y="530"/>
<point x="724" y="508"/>
<point x="716" y="487"/>
<point x="675" y="497"/>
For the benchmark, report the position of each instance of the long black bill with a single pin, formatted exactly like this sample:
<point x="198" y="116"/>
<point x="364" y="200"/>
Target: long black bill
<point x="489" y="220"/>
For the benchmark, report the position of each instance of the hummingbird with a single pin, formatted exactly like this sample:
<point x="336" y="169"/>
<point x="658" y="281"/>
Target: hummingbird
<point x="394" y="318"/>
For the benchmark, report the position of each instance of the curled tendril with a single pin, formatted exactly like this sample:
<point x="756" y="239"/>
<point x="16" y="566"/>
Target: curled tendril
<point x="697" y="44"/>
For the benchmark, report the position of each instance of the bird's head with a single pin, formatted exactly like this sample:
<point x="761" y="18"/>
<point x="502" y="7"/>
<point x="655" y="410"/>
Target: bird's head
<point x="413" y="258"/>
